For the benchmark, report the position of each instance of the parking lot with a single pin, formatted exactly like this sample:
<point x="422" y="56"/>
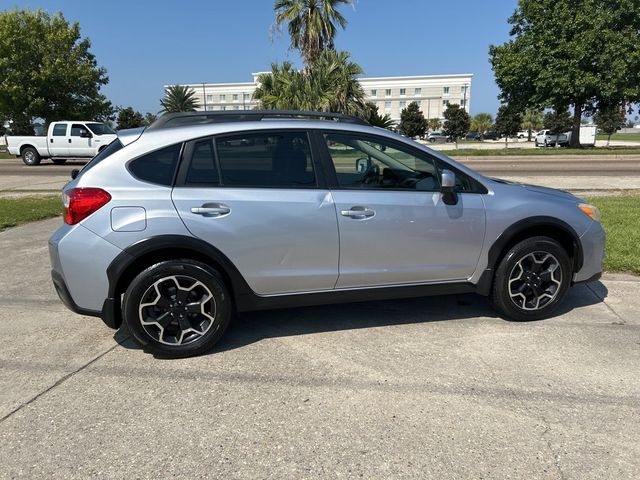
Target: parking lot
<point x="422" y="388"/>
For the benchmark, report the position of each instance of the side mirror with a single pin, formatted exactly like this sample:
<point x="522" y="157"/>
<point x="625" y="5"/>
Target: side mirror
<point x="74" y="173"/>
<point x="363" y="164"/>
<point x="85" y="134"/>
<point x="447" y="187"/>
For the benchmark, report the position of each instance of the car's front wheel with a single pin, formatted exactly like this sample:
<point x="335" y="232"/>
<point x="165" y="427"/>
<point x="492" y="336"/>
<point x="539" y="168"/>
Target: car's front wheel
<point x="177" y="308"/>
<point x="532" y="279"/>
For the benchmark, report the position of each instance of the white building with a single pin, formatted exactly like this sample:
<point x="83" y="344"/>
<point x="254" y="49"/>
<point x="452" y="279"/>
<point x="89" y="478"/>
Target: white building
<point x="391" y="94"/>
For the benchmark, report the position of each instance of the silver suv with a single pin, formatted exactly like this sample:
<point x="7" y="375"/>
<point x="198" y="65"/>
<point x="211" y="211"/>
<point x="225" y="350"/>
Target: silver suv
<point x="172" y="229"/>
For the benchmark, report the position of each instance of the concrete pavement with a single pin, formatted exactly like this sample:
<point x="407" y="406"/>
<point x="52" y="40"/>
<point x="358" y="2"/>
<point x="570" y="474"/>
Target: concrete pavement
<point x="424" y="388"/>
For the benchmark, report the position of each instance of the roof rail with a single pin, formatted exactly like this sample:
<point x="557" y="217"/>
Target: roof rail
<point x="180" y="119"/>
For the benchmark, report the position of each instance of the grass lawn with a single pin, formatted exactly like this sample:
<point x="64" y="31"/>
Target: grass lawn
<point x="16" y="211"/>
<point x="623" y="137"/>
<point x="621" y="221"/>
<point x="511" y="152"/>
<point x="5" y="155"/>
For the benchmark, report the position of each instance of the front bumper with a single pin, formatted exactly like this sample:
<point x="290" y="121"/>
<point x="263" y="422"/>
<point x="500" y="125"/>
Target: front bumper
<point x="593" y="250"/>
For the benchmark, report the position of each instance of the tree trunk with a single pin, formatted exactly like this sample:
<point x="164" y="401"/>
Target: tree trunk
<point x="608" y="140"/>
<point x="575" y="131"/>
<point x="506" y="141"/>
<point x="530" y="132"/>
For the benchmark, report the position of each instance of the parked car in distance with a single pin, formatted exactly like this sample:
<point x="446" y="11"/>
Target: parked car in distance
<point x="473" y="136"/>
<point x="63" y="140"/>
<point x="545" y="139"/>
<point x="172" y="229"/>
<point x="490" y="135"/>
<point x="525" y="134"/>
<point x="434" y="137"/>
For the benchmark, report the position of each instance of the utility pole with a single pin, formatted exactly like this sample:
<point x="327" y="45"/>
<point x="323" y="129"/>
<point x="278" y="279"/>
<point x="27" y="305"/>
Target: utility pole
<point x="204" y="97"/>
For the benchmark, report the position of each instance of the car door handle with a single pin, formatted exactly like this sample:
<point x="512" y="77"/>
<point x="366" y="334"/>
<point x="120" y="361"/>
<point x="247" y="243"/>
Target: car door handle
<point x="211" y="210"/>
<point x="69" y="140"/>
<point x="358" y="212"/>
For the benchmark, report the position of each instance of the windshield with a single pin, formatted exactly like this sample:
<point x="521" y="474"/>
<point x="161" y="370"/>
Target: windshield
<point x="100" y="129"/>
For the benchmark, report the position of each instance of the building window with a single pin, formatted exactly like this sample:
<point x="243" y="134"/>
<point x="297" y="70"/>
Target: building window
<point x="236" y="107"/>
<point x="235" y="97"/>
<point x="387" y="92"/>
<point x="445" y="103"/>
<point x="403" y="104"/>
<point x="223" y="98"/>
<point x="419" y="102"/>
<point x="209" y="98"/>
<point x="403" y="92"/>
<point x="374" y="93"/>
<point x="463" y="103"/>
<point x="387" y="105"/>
<point x="445" y="90"/>
<point x="223" y="107"/>
<point x="246" y="97"/>
<point x="418" y="91"/>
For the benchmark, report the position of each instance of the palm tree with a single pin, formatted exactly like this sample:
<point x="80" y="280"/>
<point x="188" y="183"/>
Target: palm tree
<point x="312" y="25"/>
<point x="375" y="119"/>
<point x="331" y="86"/>
<point x="481" y="123"/>
<point x="532" y="121"/>
<point x="178" y="98"/>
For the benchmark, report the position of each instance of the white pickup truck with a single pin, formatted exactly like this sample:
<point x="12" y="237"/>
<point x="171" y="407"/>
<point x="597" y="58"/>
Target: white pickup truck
<point x="64" y="140"/>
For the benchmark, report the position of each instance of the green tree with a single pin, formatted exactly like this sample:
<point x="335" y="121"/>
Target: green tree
<point x="330" y="86"/>
<point x="434" y="124"/>
<point x="570" y="52"/>
<point x="129" y="118"/>
<point x="179" y="98"/>
<point x="481" y="123"/>
<point x="610" y="119"/>
<point x="456" y="122"/>
<point x="375" y="119"/>
<point x="508" y="122"/>
<point x="531" y="121"/>
<point x="47" y="70"/>
<point x="149" y="118"/>
<point x="312" y="25"/>
<point x="412" y="122"/>
<point x="558" y="122"/>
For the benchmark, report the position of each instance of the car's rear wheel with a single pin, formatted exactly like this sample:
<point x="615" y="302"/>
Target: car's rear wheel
<point x="30" y="156"/>
<point x="59" y="161"/>
<point x="532" y="279"/>
<point x="177" y="308"/>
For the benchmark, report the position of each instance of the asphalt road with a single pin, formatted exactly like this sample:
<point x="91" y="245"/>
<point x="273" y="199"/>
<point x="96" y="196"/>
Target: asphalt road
<point x="583" y="165"/>
<point x="425" y="388"/>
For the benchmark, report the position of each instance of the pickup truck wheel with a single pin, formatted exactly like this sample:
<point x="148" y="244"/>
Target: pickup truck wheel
<point x="30" y="156"/>
<point x="59" y="161"/>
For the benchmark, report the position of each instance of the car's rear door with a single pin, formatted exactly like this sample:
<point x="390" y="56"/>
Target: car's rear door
<point x="394" y="226"/>
<point x="258" y="198"/>
<point x="59" y="140"/>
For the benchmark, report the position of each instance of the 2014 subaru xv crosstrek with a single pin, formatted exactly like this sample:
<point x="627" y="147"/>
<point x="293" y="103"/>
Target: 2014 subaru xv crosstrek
<point x="171" y="229"/>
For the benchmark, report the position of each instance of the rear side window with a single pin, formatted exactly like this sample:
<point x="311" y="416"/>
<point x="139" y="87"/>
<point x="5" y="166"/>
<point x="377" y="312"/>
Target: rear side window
<point x="202" y="168"/>
<point x="266" y="159"/>
<point x="157" y="167"/>
<point x="59" y="130"/>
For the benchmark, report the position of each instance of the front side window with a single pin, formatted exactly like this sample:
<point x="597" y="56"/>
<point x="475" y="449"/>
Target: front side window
<point x="376" y="163"/>
<point x="59" y="130"/>
<point x="157" y="167"/>
<point x="100" y="129"/>
<point x="266" y="159"/>
<point x="78" y="130"/>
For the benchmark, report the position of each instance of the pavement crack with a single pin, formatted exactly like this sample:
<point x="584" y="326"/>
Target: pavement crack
<point x="595" y="294"/>
<point x="57" y="383"/>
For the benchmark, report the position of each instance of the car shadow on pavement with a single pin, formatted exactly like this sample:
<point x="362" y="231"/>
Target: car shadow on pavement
<point x="251" y="327"/>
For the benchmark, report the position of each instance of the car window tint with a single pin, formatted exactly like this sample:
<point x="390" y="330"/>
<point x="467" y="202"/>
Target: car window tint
<point x="375" y="163"/>
<point x="268" y="159"/>
<point x="157" y="167"/>
<point x="60" y="130"/>
<point x="78" y="130"/>
<point x="202" y="168"/>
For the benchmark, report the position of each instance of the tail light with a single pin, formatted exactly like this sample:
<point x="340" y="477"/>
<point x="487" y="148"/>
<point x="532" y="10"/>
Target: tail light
<point x="79" y="203"/>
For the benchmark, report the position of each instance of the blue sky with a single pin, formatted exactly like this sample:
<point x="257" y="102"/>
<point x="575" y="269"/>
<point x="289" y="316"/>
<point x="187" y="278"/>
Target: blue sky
<point x="147" y="44"/>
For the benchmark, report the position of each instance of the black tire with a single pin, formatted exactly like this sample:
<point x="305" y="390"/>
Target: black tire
<point x="30" y="156"/>
<point x="59" y="161"/>
<point x="152" y="337"/>
<point x="518" y="309"/>
<point x="432" y="140"/>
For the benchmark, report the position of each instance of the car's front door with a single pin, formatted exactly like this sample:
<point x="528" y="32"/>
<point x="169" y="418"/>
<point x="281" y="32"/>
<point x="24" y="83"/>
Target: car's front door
<point x="257" y="198"/>
<point x="80" y="141"/>
<point x="59" y="140"/>
<point x="394" y="226"/>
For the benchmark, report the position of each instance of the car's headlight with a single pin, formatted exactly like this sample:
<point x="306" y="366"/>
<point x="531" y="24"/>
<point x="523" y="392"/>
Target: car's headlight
<point x="590" y="210"/>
